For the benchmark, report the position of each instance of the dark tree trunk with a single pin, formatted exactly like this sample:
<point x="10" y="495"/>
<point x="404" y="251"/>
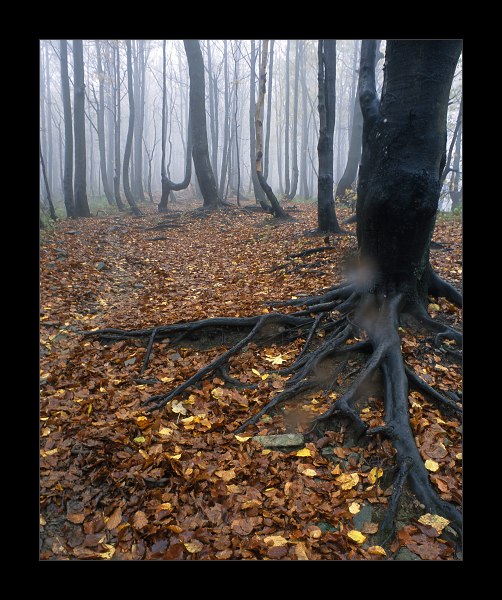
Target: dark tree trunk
<point x="80" y="187"/>
<point x="294" y="142"/>
<point x="277" y="209"/>
<point x="259" y="195"/>
<point x="286" y="127"/>
<point x="304" y="187"/>
<point x="455" y="192"/>
<point x="128" y="146"/>
<point x="269" y="111"/>
<point x="447" y="167"/>
<point x="200" y="150"/>
<point x="326" y="215"/>
<point x="110" y="143"/>
<point x="47" y="188"/>
<point x="404" y="152"/>
<point x="100" y="111"/>
<point x="355" y="145"/>
<point x="43" y="106"/>
<point x="116" y="177"/>
<point x="212" y="112"/>
<point x="68" y="132"/>
<point x="50" y="154"/>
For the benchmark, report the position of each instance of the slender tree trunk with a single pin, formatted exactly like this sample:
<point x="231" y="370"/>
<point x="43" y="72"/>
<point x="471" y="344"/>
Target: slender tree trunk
<point x="68" y="132"/>
<point x="116" y="177"/>
<point x="259" y="194"/>
<point x="110" y="142"/>
<point x="404" y="153"/>
<point x="355" y="145"/>
<point x="278" y="134"/>
<point x="80" y="186"/>
<point x="277" y="209"/>
<point x="200" y="151"/>
<point x="455" y="193"/>
<point x="226" y="123"/>
<point x="269" y="111"/>
<point x="43" y="103"/>
<point x="287" y="184"/>
<point x="139" y="97"/>
<point x="127" y="152"/>
<point x="100" y="113"/>
<point x="294" y="142"/>
<point x="50" y="152"/>
<point x="326" y="215"/>
<point x="212" y="111"/>
<point x="447" y="167"/>
<point x="304" y="187"/>
<point x="47" y="188"/>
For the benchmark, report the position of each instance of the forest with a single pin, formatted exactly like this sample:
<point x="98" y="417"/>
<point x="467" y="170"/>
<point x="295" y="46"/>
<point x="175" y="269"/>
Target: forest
<point x="250" y="300"/>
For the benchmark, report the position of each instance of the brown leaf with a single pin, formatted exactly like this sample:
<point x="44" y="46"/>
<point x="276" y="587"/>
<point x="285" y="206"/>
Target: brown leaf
<point x="139" y="520"/>
<point x="115" y="518"/>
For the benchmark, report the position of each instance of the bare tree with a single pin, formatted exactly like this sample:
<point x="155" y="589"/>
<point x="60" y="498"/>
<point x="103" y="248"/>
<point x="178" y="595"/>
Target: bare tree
<point x="68" y="132"/>
<point x="294" y="183"/>
<point x="47" y="188"/>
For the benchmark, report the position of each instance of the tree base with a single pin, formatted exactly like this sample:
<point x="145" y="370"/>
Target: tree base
<point x="354" y="322"/>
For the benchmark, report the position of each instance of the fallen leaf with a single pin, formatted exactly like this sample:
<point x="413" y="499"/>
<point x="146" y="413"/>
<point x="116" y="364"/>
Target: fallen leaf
<point x="356" y="536"/>
<point x="354" y="508"/>
<point x="139" y="520"/>
<point x="431" y="465"/>
<point x="75" y="518"/>
<point x="374" y="474"/>
<point x="309" y="472"/>
<point x="226" y="475"/>
<point x="300" y="551"/>
<point x="194" y="546"/>
<point x="370" y="528"/>
<point x="304" y="452"/>
<point x="114" y="519"/>
<point x="378" y="550"/>
<point x="178" y="408"/>
<point x="275" y="540"/>
<point x="242" y="438"/>
<point x="139" y="440"/>
<point x="347" y="480"/>
<point x="142" y="422"/>
<point x="436" y="521"/>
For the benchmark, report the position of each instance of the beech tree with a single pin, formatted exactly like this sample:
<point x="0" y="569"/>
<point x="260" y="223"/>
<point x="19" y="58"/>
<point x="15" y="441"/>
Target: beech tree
<point x="68" y="131"/>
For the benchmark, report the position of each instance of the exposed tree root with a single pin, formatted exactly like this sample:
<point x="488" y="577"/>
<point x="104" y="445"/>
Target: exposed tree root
<point x="343" y="312"/>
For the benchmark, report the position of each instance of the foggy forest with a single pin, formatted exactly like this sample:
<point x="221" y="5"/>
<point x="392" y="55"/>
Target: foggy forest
<point x="250" y="300"/>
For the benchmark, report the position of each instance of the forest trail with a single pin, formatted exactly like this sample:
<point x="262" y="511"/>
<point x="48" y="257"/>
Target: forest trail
<point x="119" y="484"/>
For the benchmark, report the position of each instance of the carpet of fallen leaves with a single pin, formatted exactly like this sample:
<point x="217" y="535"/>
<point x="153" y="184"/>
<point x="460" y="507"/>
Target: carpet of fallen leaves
<point x="119" y="484"/>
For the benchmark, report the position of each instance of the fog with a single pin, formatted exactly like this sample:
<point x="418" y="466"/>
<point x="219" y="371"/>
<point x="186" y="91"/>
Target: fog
<point x="290" y="121"/>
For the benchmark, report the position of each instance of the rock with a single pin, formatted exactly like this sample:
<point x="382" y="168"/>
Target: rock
<point x="138" y="285"/>
<point x="72" y="232"/>
<point x="100" y="266"/>
<point x="174" y="356"/>
<point x="51" y="265"/>
<point x="130" y="361"/>
<point x="405" y="554"/>
<point x="276" y="441"/>
<point x="363" y="516"/>
<point x="325" y="526"/>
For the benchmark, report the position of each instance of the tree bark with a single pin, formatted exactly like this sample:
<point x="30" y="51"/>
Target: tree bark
<point x="128" y="146"/>
<point x="100" y="112"/>
<point x="404" y="151"/>
<point x="458" y="124"/>
<point x="259" y="194"/>
<point x="269" y="111"/>
<point x="68" y="132"/>
<point x="47" y="188"/>
<point x="226" y="123"/>
<point x="116" y="177"/>
<point x="455" y="193"/>
<point x="304" y="187"/>
<point x="200" y="151"/>
<point x="50" y="153"/>
<point x="80" y="186"/>
<point x="139" y="102"/>
<point x="326" y="215"/>
<point x="286" y="127"/>
<point x="277" y="209"/>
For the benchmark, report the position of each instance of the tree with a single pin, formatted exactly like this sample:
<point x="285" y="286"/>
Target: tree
<point x="47" y="187"/>
<point x="294" y="183"/>
<point x="200" y="151"/>
<point x="304" y="187"/>
<point x="139" y="104"/>
<point x="100" y="113"/>
<point x="127" y="151"/>
<point x="404" y="152"/>
<point x="455" y="193"/>
<point x="169" y="186"/>
<point x="277" y="209"/>
<point x="116" y="118"/>
<point x="269" y="111"/>
<point x="326" y="215"/>
<point x="80" y="187"/>
<point x="355" y="145"/>
<point x="286" y="132"/>
<point x="68" y="131"/>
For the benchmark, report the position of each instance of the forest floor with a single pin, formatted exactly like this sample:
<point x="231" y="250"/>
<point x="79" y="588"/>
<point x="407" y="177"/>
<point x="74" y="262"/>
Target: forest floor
<point x="119" y="483"/>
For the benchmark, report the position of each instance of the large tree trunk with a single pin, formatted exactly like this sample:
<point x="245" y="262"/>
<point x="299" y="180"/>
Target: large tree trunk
<point x="286" y="127"/>
<point x="269" y="111"/>
<point x="226" y="123"/>
<point x="326" y="215"/>
<point x="213" y="111"/>
<point x="100" y="110"/>
<point x="304" y="187"/>
<point x="80" y="187"/>
<point x="455" y="192"/>
<point x="355" y="145"/>
<point x="127" y="151"/>
<point x="50" y="153"/>
<point x="116" y="177"/>
<point x="404" y="153"/>
<point x="139" y="102"/>
<point x="47" y="187"/>
<point x="200" y="151"/>
<point x="277" y="209"/>
<point x="68" y="132"/>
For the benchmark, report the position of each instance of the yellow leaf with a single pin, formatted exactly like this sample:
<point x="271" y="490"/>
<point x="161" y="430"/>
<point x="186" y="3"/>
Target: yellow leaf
<point x="439" y="523"/>
<point x="354" y="508"/>
<point x="275" y="540"/>
<point x="365" y="410"/>
<point x="167" y="379"/>
<point x="266" y="451"/>
<point x="42" y="521"/>
<point x="45" y="431"/>
<point x="139" y="440"/>
<point x="378" y="550"/>
<point x="178" y="408"/>
<point x="300" y="551"/>
<point x="375" y="474"/>
<point x="265" y="376"/>
<point x="356" y="536"/>
<point x="276" y="360"/>
<point x="347" y="480"/>
<point x="256" y="372"/>
<point x="89" y="409"/>
<point x="243" y="438"/>
<point x="309" y="472"/>
<point x="458" y="456"/>
<point x="102" y="389"/>
<point x="433" y="307"/>
<point x="431" y="465"/>
<point x="174" y="456"/>
<point x="304" y="452"/>
<point x="164" y="506"/>
<point x="165" y="431"/>
<point x="336" y="470"/>
<point x="217" y="392"/>
<point x="142" y="422"/>
<point x="194" y="546"/>
<point x="226" y="475"/>
<point x="109" y="553"/>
